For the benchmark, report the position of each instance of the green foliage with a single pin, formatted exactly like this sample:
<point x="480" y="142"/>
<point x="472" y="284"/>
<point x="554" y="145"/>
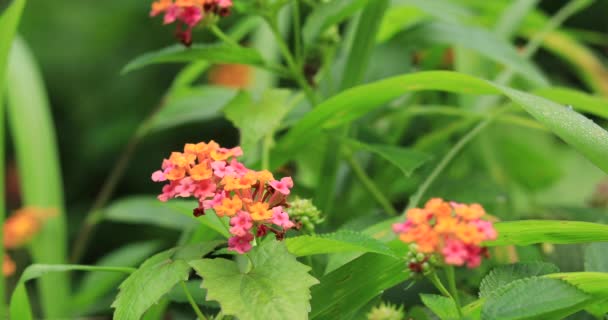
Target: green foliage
<point x="154" y="278"/>
<point x="443" y="307"/>
<point x="328" y="15"/>
<point x="503" y="275"/>
<point x="340" y="241"/>
<point x="528" y="232"/>
<point x="407" y="160"/>
<point x="596" y="257"/>
<point x="279" y="283"/>
<point x="528" y="299"/>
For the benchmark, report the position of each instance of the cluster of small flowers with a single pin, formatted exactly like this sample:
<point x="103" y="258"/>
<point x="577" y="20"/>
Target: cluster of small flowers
<point x="454" y="231"/>
<point x="19" y="229"/>
<point x="189" y="13"/>
<point x="253" y="200"/>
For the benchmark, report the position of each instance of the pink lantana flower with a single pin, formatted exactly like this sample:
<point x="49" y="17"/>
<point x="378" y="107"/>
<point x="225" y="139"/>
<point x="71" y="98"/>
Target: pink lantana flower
<point x="241" y="224"/>
<point x="240" y="244"/>
<point x="283" y="186"/>
<point x="281" y="218"/>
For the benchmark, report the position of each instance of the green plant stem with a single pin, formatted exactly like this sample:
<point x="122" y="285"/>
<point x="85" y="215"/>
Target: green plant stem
<point x="195" y="307"/>
<point x="434" y="279"/>
<point x="369" y="184"/>
<point x="222" y="36"/>
<point x="415" y="200"/>
<point x="297" y="33"/>
<point x="451" y="277"/>
<point x="296" y="71"/>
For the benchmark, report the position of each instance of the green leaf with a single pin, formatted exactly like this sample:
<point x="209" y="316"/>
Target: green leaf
<point x="443" y="307"/>
<point x="20" y="308"/>
<point x="96" y="285"/>
<point x="526" y="232"/>
<point x="533" y="298"/>
<point x="596" y="257"/>
<point x="407" y="160"/>
<point x="398" y="19"/>
<point x="154" y="278"/>
<point x="39" y="170"/>
<point x="327" y="15"/>
<point x="503" y="275"/>
<point x="578" y="100"/>
<point x="256" y="119"/>
<point x="343" y="291"/>
<point x="479" y="40"/>
<point x="340" y="241"/>
<point x="580" y="132"/>
<point x="194" y="286"/>
<point x="277" y="286"/>
<point x="187" y="105"/>
<point x="214" y="53"/>
<point x="174" y="214"/>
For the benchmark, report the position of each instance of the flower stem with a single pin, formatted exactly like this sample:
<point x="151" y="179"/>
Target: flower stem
<point x="437" y="283"/>
<point x="296" y="71"/>
<point x="369" y="184"/>
<point x="195" y="307"/>
<point x="451" y="277"/>
<point x="222" y="36"/>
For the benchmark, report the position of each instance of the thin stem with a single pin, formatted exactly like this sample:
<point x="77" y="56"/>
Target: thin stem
<point x="437" y="283"/>
<point x="108" y="187"/>
<point x="415" y="200"/>
<point x="297" y="33"/>
<point x="195" y="307"/>
<point x="369" y="184"/>
<point x="222" y="36"/>
<point x="451" y="277"/>
<point x="296" y="72"/>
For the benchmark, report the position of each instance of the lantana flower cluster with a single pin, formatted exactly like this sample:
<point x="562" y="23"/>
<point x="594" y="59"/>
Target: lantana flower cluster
<point x="187" y="14"/>
<point x="253" y="200"/>
<point x="452" y="231"/>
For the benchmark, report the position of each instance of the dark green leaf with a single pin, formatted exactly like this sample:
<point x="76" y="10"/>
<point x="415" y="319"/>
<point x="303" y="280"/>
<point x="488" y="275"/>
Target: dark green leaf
<point x="340" y="241"/>
<point x="277" y="286"/>
<point x="407" y="160"/>
<point x="533" y="298"/>
<point x="503" y="275"/>
<point x="215" y="53"/>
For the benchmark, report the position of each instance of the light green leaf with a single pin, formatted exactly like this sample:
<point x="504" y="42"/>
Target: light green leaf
<point x="577" y="100"/>
<point x="154" y="278"/>
<point x="187" y="105"/>
<point x="340" y="241"/>
<point x="174" y="214"/>
<point x="198" y="294"/>
<point x="596" y="257"/>
<point x="256" y="119"/>
<point x="526" y="232"/>
<point x="407" y="160"/>
<point x="39" y="170"/>
<point x="503" y="275"/>
<point x="20" y="308"/>
<point x="580" y="132"/>
<point x="398" y="19"/>
<point x="214" y="53"/>
<point x="96" y="285"/>
<point x="534" y="298"/>
<point x="327" y="15"/>
<point x="343" y="291"/>
<point x="9" y="20"/>
<point x="443" y="307"/>
<point x="277" y="286"/>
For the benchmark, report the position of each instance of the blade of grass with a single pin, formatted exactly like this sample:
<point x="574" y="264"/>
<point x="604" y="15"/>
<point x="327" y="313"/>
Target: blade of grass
<point x="9" y="20"/>
<point x="38" y="162"/>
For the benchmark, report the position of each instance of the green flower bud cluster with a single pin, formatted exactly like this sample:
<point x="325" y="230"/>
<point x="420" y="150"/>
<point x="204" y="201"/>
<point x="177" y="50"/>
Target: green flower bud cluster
<point x="304" y="211"/>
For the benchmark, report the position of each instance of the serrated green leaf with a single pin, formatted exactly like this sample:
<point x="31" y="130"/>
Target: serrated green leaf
<point x="346" y="289"/>
<point x="214" y="53"/>
<point x="533" y="298"/>
<point x="327" y="15"/>
<point x="256" y="119"/>
<point x="443" y="307"/>
<point x="95" y="285"/>
<point x="503" y="275"/>
<point x="174" y="215"/>
<point x="580" y="132"/>
<point x="154" y="278"/>
<point x="187" y="105"/>
<point x="407" y="160"/>
<point x="198" y="294"/>
<point x="526" y="232"/>
<point x="596" y="257"/>
<point x="277" y="286"/>
<point x="340" y="241"/>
